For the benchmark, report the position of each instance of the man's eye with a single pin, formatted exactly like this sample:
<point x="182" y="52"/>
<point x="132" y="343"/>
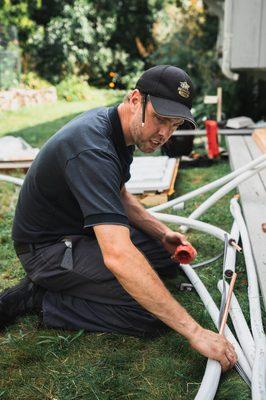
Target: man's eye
<point x="159" y="119"/>
<point x="178" y="125"/>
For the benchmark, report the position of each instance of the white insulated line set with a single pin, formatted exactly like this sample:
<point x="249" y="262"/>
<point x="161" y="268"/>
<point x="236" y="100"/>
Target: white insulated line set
<point x="251" y="348"/>
<point x="251" y="345"/>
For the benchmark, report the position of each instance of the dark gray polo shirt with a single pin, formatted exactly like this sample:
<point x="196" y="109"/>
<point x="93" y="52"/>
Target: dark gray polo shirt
<point x="75" y="181"/>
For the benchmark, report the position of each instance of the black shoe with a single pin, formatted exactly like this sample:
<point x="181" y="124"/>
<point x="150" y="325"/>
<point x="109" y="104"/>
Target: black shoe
<point x="23" y="298"/>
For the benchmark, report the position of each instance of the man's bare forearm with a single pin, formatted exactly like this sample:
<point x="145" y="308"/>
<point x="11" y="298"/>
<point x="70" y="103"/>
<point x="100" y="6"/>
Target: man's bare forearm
<point x="139" y="279"/>
<point x="140" y="218"/>
<point x="142" y="283"/>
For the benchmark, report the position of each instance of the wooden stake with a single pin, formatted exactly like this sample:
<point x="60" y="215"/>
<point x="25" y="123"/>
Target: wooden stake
<point x="219" y="104"/>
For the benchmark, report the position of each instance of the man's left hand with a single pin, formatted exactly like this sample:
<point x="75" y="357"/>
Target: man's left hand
<point x="173" y="239"/>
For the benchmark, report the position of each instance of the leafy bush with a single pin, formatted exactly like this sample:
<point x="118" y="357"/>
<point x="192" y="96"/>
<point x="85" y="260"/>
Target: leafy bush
<point x="31" y="80"/>
<point x="9" y="69"/>
<point x="74" y="42"/>
<point x="73" y="88"/>
<point x="9" y="57"/>
<point x="93" y="38"/>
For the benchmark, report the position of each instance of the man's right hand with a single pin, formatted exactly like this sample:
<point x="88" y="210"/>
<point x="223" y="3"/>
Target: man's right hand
<point x="214" y="346"/>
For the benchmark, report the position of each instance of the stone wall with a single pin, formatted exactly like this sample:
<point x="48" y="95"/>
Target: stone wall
<point x="16" y="98"/>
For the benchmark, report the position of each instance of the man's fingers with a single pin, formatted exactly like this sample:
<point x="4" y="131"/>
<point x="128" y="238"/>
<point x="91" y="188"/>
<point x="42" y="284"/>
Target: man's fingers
<point x="183" y="239"/>
<point x="228" y="359"/>
<point x="226" y="363"/>
<point x="231" y="347"/>
<point x="231" y="355"/>
<point x="216" y="347"/>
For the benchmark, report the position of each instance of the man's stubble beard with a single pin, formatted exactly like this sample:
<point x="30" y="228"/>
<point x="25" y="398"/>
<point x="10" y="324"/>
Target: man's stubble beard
<point x="136" y="132"/>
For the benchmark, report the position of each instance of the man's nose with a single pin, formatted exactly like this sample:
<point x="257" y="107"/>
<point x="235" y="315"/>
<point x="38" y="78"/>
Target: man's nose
<point x="165" y="133"/>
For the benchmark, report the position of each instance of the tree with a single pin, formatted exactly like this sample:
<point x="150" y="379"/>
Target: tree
<point x="91" y="38"/>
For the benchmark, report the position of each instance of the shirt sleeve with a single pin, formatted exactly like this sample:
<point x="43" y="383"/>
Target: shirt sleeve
<point x="94" y="178"/>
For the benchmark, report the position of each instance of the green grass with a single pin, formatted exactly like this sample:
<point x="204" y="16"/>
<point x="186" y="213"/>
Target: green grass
<point x="38" y="363"/>
<point x="36" y="124"/>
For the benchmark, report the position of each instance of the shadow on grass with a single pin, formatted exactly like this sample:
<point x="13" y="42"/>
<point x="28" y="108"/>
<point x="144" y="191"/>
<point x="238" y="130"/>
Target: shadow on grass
<point x="38" y="134"/>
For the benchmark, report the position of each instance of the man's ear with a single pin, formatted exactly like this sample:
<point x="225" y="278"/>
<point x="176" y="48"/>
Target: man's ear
<point x="135" y="99"/>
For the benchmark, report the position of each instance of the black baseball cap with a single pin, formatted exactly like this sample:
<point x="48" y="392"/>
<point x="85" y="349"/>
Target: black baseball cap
<point x="170" y="90"/>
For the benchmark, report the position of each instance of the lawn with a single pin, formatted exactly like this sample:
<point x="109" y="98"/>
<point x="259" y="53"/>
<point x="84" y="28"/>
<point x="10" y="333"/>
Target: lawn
<point x="37" y="123"/>
<point x="58" y="365"/>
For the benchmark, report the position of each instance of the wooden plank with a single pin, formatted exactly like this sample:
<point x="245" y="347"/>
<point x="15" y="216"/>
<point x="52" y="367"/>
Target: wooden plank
<point x="256" y="152"/>
<point x="259" y="136"/>
<point x="237" y="150"/>
<point x="152" y="199"/>
<point x="172" y="185"/>
<point x="14" y="164"/>
<point x="253" y="200"/>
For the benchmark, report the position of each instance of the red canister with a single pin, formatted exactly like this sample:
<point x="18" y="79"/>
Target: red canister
<point x="212" y="138"/>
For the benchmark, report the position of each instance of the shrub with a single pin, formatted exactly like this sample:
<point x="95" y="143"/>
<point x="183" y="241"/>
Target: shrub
<point x="73" y="42"/>
<point x="31" y="80"/>
<point x="9" y="69"/>
<point x="73" y="88"/>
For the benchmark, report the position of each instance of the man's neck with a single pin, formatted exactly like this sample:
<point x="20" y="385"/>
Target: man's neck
<point x="124" y="116"/>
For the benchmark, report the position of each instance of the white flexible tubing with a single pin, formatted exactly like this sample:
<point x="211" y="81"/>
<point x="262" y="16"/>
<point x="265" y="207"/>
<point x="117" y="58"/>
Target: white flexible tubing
<point x="212" y="185"/>
<point x="192" y="223"/>
<point x="258" y="381"/>
<point x="240" y="325"/>
<point x="211" y="378"/>
<point x="210" y="381"/>
<point x="253" y="287"/>
<point x="223" y="191"/>
<point x="16" y="181"/>
<point x="238" y="178"/>
<point x="230" y="260"/>
<point x="214" y="314"/>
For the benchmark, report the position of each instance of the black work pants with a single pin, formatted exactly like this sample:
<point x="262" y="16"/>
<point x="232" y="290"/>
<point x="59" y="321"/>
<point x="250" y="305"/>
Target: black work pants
<point x="88" y="296"/>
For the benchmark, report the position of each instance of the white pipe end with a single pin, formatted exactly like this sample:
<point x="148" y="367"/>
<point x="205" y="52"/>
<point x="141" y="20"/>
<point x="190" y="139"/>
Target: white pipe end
<point x="183" y="228"/>
<point x="179" y="206"/>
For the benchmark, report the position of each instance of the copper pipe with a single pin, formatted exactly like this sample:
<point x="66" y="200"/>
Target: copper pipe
<point x="227" y="304"/>
<point x="235" y="245"/>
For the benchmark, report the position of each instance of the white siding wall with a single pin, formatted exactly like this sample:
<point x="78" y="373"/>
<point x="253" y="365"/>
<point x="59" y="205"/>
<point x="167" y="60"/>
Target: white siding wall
<point x="248" y="34"/>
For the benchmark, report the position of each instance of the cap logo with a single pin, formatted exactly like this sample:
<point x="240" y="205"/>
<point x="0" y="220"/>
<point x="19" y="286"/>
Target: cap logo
<point x="183" y="89"/>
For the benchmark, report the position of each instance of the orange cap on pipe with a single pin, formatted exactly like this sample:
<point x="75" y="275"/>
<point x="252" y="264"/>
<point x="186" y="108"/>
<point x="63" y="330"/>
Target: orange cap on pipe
<point x="184" y="253"/>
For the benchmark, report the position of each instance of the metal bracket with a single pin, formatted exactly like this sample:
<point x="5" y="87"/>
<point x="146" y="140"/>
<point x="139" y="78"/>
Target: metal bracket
<point x="185" y="287"/>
